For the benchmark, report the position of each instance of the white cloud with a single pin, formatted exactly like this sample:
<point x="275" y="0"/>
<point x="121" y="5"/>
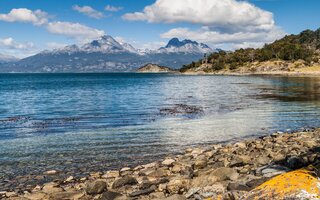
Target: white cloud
<point x="213" y="13"/>
<point x="36" y="17"/>
<point x="10" y="43"/>
<point x="207" y="35"/>
<point x="232" y="22"/>
<point x="112" y="8"/>
<point x="74" y="30"/>
<point x="89" y="11"/>
<point x="10" y="47"/>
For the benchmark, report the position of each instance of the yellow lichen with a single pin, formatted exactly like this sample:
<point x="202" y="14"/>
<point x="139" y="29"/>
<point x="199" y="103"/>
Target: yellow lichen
<point x="288" y="185"/>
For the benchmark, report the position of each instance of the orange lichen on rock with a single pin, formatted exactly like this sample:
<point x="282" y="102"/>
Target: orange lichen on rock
<point x="299" y="184"/>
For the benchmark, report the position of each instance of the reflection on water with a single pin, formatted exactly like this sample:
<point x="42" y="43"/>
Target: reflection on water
<point x="80" y="122"/>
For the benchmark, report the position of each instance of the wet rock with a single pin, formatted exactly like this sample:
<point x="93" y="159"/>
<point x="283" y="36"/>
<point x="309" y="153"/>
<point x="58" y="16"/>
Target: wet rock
<point x="178" y="185"/>
<point x="109" y="195"/>
<point x="143" y="192"/>
<point x="127" y="180"/>
<point x="96" y="187"/>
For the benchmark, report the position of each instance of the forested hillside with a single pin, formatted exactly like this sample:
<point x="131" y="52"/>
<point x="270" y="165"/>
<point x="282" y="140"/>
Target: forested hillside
<point x="304" y="46"/>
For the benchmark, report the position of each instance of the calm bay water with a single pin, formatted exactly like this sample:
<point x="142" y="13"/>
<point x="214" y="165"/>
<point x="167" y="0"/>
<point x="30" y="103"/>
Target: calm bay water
<point x="80" y="122"/>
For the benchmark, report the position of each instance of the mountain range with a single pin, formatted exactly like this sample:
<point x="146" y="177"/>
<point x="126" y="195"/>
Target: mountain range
<point x="106" y="54"/>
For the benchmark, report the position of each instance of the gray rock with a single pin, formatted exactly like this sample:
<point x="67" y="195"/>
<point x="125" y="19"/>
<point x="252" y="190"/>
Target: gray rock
<point x="192" y="191"/>
<point x="263" y="160"/>
<point x="110" y="195"/>
<point x="237" y="186"/>
<point x="271" y="170"/>
<point x="295" y="162"/>
<point x="225" y="173"/>
<point x="256" y="182"/>
<point x="127" y="180"/>
<point x="96" y="187"/>
<point x="143" y="192"/>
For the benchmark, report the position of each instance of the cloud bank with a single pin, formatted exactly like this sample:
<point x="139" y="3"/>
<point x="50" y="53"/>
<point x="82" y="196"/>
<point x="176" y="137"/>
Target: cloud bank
<point x="74" y="30"/>
<point x="220" y="21"/>
<point x="24" y="15"/>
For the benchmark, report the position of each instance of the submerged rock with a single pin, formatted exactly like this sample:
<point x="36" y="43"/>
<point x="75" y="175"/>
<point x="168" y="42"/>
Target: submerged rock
<point x="181" y="109"/>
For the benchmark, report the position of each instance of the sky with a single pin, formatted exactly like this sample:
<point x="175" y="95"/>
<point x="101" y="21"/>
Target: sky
<point x="30" y="26"/>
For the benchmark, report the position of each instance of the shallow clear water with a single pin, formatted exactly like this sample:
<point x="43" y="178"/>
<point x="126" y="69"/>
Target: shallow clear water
<point x="76" y="122"/>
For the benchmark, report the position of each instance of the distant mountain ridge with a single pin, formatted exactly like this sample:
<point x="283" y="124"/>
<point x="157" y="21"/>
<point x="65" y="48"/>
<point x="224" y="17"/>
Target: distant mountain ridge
<point x="106" y="54"/>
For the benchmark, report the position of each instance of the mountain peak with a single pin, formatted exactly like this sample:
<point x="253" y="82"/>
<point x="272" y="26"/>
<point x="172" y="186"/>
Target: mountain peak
<point x="186" y="46"/>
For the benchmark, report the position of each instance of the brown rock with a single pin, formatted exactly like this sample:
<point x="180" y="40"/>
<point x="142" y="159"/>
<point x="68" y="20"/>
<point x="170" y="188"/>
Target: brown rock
<point x="111" y="174"/>
<point x="168" y="162"/>
<point x="225" y="173"/>
<point x="178" y="185"/>
<point x="176" y="197"/>
<point x="110" y="195"/>
<point x="127" y="180"/>
<point x="51" y="188"/>
<point x="200" y="164"/>
<point x="96" y="187"/>
<point x="36" y="196"/>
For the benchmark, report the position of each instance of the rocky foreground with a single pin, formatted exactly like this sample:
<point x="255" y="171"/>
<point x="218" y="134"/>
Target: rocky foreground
<point x="253" y="169"/>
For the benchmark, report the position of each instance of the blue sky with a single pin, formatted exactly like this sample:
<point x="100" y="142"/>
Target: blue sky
<point x="29" y="26"/>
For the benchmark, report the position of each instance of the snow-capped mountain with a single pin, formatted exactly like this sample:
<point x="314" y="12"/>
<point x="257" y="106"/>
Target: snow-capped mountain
<point x="185" y="46"/>
<point x="7" y="58"/>
<point x="106" y="54"/>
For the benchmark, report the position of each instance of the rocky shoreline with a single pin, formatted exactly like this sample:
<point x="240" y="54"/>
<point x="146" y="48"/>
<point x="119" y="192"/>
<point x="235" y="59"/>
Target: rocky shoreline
<point x="230" y="172"/>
